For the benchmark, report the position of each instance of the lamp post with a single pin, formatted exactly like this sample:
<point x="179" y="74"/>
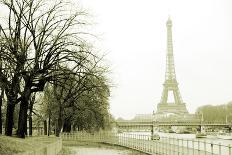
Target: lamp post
<point x="201" y="119"/>
<point x="229" y="126"/>
<point x="202" y="116"/>
<point x="227" y="117"/>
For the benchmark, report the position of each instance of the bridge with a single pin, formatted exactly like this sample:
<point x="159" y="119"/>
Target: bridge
<point x="148" y="125"/>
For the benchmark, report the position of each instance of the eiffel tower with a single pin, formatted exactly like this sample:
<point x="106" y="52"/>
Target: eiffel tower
<point x="170" y="84"/>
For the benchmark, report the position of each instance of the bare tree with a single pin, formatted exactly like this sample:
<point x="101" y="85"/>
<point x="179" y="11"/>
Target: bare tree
<point x="12" y="59"/>
<point x="41" y="41"/>
<point x="64" y="101"/>
<point x="1" y="100"/>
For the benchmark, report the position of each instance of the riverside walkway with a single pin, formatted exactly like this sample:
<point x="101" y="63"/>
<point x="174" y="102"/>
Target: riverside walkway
<point x="143" y="143"/>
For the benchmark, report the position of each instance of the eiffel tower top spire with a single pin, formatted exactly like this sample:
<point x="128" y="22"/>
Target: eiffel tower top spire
<point x="170" y="67"/>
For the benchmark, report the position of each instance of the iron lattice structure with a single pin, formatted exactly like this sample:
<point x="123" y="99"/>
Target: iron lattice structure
<point x="170" y="84"/>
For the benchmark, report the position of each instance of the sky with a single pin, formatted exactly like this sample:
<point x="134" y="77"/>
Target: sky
<point x="133" y="35"/>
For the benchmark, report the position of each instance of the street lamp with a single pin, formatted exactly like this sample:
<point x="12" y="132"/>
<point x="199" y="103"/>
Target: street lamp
<point x="202" y="116"/>
<point x="227" y="117"/>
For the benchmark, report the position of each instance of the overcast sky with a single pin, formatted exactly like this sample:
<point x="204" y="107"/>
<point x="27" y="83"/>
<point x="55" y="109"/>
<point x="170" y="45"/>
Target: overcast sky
<point x="133" y="33"/>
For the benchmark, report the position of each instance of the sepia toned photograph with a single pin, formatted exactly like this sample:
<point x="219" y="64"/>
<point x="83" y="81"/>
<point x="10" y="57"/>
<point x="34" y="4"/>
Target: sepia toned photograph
<point x="115" y="77"/>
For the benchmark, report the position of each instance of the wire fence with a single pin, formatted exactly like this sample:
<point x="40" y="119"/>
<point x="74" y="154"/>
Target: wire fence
<point x="144" y="143"/>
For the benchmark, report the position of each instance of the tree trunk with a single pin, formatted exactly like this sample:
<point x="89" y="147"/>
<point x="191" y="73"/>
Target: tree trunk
<point x="25" y="127"/>
<point x="49" y="123"/>
<point x="30" y="123"/>
<point x="67" y="125"/>
<point x="60" y="122"/>
<point x="32" y="100"/>
<point x="0" y="119"/>
<point x="22" y="123"/>
<point x="59" y="126"/>
<point x="45" y="127"/>
<point x="9" y="117"/>
<point x="1" y="98"/>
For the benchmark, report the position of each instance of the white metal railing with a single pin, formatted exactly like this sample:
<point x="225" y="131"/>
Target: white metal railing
<point x="166" y="146"/>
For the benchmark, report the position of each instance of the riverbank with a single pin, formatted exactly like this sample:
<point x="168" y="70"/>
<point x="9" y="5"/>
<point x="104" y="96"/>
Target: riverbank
<point x="91" y="148"/>
<point x="13" y="145"/>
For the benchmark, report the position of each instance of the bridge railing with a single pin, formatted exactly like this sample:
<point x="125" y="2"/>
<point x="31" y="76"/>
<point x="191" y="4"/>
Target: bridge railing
<point x="144" y="143"/>
<point x="173" y="123"/>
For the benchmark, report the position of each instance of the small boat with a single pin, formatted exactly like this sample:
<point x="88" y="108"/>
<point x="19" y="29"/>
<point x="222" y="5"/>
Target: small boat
<point x="201" y="135"/>
<point x="224" y="135"/>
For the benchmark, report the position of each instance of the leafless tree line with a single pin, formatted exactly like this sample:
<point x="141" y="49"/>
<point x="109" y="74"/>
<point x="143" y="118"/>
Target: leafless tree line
<point x="41" y="42"/>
